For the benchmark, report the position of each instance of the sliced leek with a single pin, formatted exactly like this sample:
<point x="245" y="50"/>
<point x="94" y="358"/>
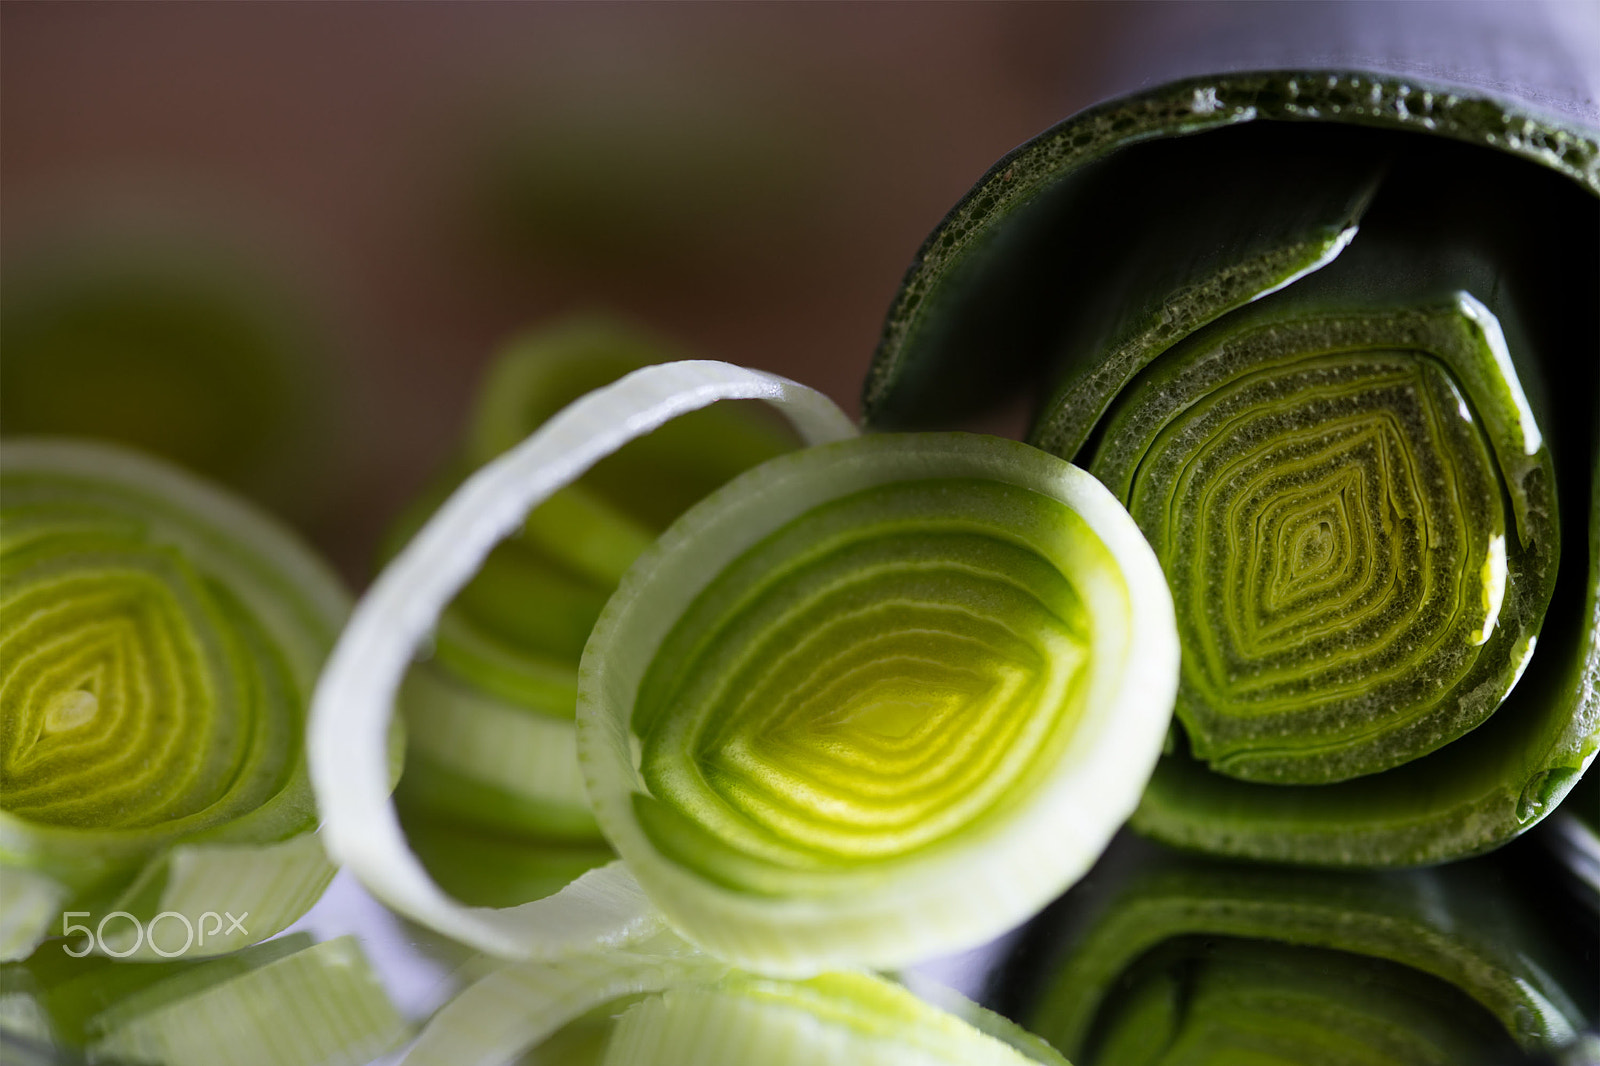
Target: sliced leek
<point x="492" y="800"/>
<point x="355" y="696"/>
<point x="159" y="640"/>
<point x="286" y="1002"/>
<point x="1347" y="386"/>
<point x="877" y="701"/>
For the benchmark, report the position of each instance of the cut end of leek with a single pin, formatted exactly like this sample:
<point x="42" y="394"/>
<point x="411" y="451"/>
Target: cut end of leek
<point x="890" y="697"/>
<point x="159" y="641"/>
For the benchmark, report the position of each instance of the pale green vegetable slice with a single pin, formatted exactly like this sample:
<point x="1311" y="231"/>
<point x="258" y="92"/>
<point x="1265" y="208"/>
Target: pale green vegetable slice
<point x="286" y="1002"/>
<point x="159" y="640"/>
<point x="354" y="701"/>
<point x="877" y="701"/>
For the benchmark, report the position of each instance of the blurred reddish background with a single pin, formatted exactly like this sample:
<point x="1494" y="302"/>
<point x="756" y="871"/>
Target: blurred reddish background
<point x="428" y="179"/>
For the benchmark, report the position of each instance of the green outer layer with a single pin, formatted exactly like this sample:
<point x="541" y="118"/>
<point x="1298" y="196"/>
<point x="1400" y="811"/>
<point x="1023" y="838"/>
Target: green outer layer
<point x="1464" y="924"/>
<point x="969" y="235"/>
<point x="968" y="286"/>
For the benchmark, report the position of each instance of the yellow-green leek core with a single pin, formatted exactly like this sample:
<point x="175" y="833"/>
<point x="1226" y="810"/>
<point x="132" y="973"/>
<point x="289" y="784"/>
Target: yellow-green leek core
<point x="876" y="700"/>
<point x="890" y="670"/>
<point x="159" y="640"/>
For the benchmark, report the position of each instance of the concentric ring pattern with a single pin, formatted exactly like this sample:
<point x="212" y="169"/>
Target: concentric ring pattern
<point x="158" y="641"/>
<point x="1334" y="530"/>
<point x="881" y="676"/>
<point x="910" y="696"/>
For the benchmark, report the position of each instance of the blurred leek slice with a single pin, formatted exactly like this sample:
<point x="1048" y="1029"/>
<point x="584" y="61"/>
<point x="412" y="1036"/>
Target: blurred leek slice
<point x="877" y="701"/>
<point x="287" y="1002"/>
<point x="355" y="695"/>
<point x="162" y="332"/>
<point x="660" y="1002"/>
<point x="1164" y="959"/>
<point x="1342" y="376"/>
<point x="159" y="642"/>
<point x="491" y="799"/>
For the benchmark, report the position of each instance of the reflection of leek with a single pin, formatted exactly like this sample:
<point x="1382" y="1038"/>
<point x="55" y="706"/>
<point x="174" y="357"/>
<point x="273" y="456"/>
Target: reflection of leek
<point x="1183" y="960"/>
<point x="159" y="643"/>
<point x="492" y="799"/>
<point x="1341" y="380"/>
<point x="661" y="1002"/>
<point x="888" y="696"/>
<point x="287" y="1002"/>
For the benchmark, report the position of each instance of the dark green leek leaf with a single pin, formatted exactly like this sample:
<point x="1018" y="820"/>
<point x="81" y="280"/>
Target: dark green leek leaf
<point x="1344" y="375"/>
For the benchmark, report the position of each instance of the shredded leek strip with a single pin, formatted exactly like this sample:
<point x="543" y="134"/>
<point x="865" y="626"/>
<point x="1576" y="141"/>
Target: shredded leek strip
<point x="286" y="1002"/>
<point x="1347" y="387"/>
<point x="1167" y="959"/>
<point x="159" y="641"/>
<point x="492" y="800"/>
<point x="354" y="700"/>
<point x="877" y="701"/>
<point x="670" y="1005"/>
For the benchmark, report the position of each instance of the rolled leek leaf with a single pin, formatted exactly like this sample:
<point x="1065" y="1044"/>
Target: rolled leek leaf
<point x="1332" y="338"/>
<point x="287" y="1002"/>
<point x="876" y="701"/>
<point x="1164" y="959"/>
<point x="355" y="696"/>
<point x="159" y="641"/>
<point x="671" y="1005"/>
<point x="492" y="799"/>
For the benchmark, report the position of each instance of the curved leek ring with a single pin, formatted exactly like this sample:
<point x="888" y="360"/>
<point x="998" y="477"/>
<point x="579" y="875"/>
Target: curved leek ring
<point x="1166" y="952"/>
<point x="877" y="701"/>
<point x="1342" y="393"/>
<point x="159" y="640"/>
<point x="352" y="707"/>
<point x="492" y="799"/>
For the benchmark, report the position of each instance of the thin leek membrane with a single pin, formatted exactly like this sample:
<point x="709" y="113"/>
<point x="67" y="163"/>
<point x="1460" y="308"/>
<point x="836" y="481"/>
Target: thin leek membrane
<point x="492" y="799"/>
<point x="1345" y="380"/>
<point x="160" y="640"/>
